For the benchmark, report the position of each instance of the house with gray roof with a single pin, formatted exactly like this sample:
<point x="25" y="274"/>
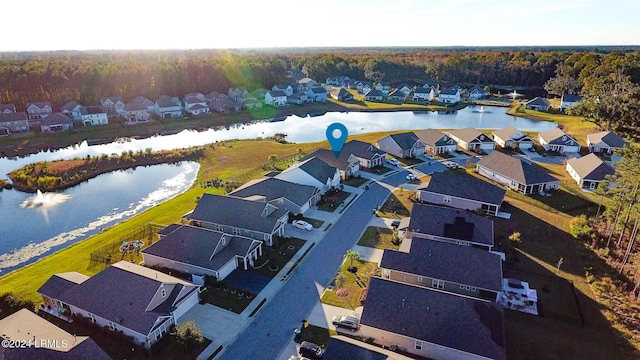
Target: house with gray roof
<point x="314" y="172"/>
<point x="424" y="94"/>
<point x="462" y="191"/>
<point x="113" y="105"/>
<point x="168" y="107"/>
<point x="196" y="104"/>
<point x="341" y="94"/>
<point x="449" y="225"/>
<point x="569" y="100"/>
<point x="449" y="96"/>
<point x="39" y="110"/>
<point x="429" y="264"/>
<point x="48" y="342"/>
<point x="138" y="110"/>
<point x="436" y="141"/>
<point x="476" y="93"/>
<point x="538" y="104"/>
<point x="253" y="219"/>
<point x="431" y="323"/>
<point x="472" y="139"/>
<point x="200" y="251"/>
<point x="397" y="95"/>
<point x="140" y="302"/>
<point x="224" y="105"/>
<point x="355" y="155"/>
<point x="518" y="175"/>
<point x="56" y="122"/>
<point x="7" y="108"/>
<point x="13" y="122"/>
<point x="317" y="94"/>
<point x="558" y="141"/>
<point x="296" y="198"/>
<point x="383" y="86"/>
<point x="305" y="84"/>
<point x="93" y="115"/>
<point x="605" y="142"/>
<point x="510" y="137"/>
<point x="298" y="98"/>
<point x="71" y="109"/>
<point x="588" y="171"/>
<point x="276" y="98"/>
<point x="402" y="145"/>
<point x="374" y="95"/>
<point x="285" y="88"/>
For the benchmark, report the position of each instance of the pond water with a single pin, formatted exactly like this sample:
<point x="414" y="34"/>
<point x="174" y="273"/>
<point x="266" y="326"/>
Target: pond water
<point x="36" y="225"/>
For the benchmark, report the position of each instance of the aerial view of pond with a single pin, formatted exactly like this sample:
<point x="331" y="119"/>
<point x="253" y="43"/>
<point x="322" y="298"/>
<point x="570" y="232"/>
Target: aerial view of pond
<point x="34" y="225"/>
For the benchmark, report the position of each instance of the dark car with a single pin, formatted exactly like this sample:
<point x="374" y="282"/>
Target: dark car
<point x="310" y="350"/>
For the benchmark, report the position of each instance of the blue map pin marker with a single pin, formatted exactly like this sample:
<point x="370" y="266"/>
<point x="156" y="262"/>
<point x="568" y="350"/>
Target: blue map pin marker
<point x="336" y="141"/>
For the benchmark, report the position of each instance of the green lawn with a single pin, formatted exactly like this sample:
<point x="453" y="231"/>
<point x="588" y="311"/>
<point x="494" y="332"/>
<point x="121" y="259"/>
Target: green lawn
<point x="355" y="181"/>
<point x="228" y="298"/>
<point x="397" y="205"/>
<point x="274" y="259"/>
<point x="379" y="238"/>
<point x="378" y="170"/>
<point x="410" y="161"/>
<point x="354" y="285"/>
<point x="331" y="200"/>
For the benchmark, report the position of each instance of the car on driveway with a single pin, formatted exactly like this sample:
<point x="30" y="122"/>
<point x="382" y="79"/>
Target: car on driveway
<point x="410" y="177"/>
<point x="310" y="350"/>
<point x="302" y="225"/>
<point x="393" y="161"/>
<point x="346" y="321"/>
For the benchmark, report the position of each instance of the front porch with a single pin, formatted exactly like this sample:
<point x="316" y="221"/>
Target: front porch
<point x="62" y="312"/>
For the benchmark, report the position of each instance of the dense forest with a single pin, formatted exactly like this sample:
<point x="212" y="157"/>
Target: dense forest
<point x="87" y="76"/>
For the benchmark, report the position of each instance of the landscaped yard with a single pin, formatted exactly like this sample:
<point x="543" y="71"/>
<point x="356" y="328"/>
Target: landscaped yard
<point x="273" y="260"/>
<point x="379" y="238"/>
<point x="349" y="294"/>
<point x="378" y="170"/>
<point x="228" y="298"/>
<point x="398" y="205"/>
<point x="355" y="181"/>
<point x="410" y="161"/>
<point x="332" y="199"/>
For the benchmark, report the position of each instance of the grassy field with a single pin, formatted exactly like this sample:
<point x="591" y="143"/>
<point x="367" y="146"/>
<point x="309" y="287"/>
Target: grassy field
<point x="397" y="205"/>
<point x="379" y="238"/>
<point x="573" y="125"/>
<point x="353" y="286"/>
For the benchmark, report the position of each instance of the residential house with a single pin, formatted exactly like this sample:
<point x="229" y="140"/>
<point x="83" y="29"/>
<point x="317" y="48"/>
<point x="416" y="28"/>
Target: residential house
<point x="139" y="302"/>
<point x="558" y="141"/>
<point x="353" y="84"/>
<point x="429" y="264"/>
<point x="397" y="95"/>
<point x="285" y="88"/>
<point x="462" y="192"/>
<point x="434" y="86"/>
<point x="605" y="142"/>
<point x="588" y="171"/>
<point x="138" y="110"/>
<point x="384" y="87"/>
<point x="449" y="225"/>
<point x="72" y="109"/>
<point x="342" y="80"/>
<point x="56" y="122"/>
<point x="432" y="324"/>
<point x="215" y="96"/>
<point x="296" y="198"/>
<point x="93" y="115"/>
<point x="11" y="122"/>
<point x="200" y="251"/>
<point x="224" y="105"/>
<point x="317" y="94"/>
<point x="195" y="104"/>
<point x="7" y="109"/>
<point x="168" y="107"/>
<point x="402" y="145"/>
<point x="404" y="88"/>
<point x="39" y="110"/>
<point x="511" y="137"/>
<point x="238" y="94"/>
<point x="276" y="98"/>
<point x="538" y="104"/>
<point x="423" y="94"/>
<point x="373" y="95"/>
<point x="251" y="103"/>
<point x="313" y="172"/>
<point x="295" y="74"/>
<point x="516" y="174"/>
<point x="345" y="348"/>
<point x="354" y="155"/>
<point x="569" y="100"/>
<point x="472" y="139"/>
<point x="449" y="96"/>
<point x="306" y="83"/>
<point x="253" y="219"/>
<point x="363" y="87"/>
<point x="43" y="340"/>
<point x="476" y="93"/>
<point x="259" y="94"/>
<point x="298" y="98"/>
<point x="113" y="105"/>
<point x="341" y="94"/>
<point x="437" y="142"/>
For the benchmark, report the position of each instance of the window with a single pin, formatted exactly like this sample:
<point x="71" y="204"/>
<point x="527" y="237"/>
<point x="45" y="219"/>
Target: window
<point x="418" y="345"/>
<point x="92" y="317"/>
<point x="163" y="292"/>
<point x="419" y="278"/>
<point x="438" y="284"/>
<point x="446" y="199"/>
<point x="112" y="326"/>
<point x="223" y="241"/>
<point x="219" y="227"/>
<point x="236" y="231"/>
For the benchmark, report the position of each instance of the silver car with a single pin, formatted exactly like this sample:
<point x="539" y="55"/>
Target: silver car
<point x="346" y="321"/>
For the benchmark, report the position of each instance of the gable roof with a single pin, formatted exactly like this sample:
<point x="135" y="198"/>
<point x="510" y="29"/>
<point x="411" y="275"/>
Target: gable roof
<point x="591" y="167"/>
<point x="451" y="91"/>
<point x="24" y="325"/>
<point x="56" y="119"/>
<point x="558" y="137"/>
<point x="436" y="259"/>
<point x="61" y="282"/>
<point x="359" y="149"/>
<point x="450" y="223"/>
<point x="276" y="93"/>
<point x="237" y="212"/>
<point x="40" y="104"/>
<point x="456" y="322"/>
<point x="317" y="168"/>
<point x="397" y="93"/>
<point x="464" y="186"/>
<point x="138" y="103"/>
<point x="572" y="98"/>
<point x="516" y="169"/>
<point x="374" y="92"/>
<point x="168" y="101"/>
<point x="338" y="349"/>
<point x="7" y="107"/>
<point x="405" y="140"/>
<point x="215" y="96"/>
<point x="422" y="90"/>
<point x="196" y="246"/>
<point x="318" y="90"/>
<point x="113" y="99"/>
<point x="611" y="139"/>
<point x="273" y="188"/>
<point x="69" y="106"/>
<point x="477" y="89"/>
<point x="540" y="101"/>
<point x="433" y="137"/>
<point x="14" y="116"/>
<point x="91" y="110"/>
<point x="469" y="134"/>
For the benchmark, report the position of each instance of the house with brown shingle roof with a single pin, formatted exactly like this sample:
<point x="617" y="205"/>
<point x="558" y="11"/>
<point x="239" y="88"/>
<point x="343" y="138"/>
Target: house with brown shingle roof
<point x="11" y="122"/>
<point x="56" y="122"/>
<point x="588" y="171"/>
<point x="558" y="141"/>
<point x="523" y="177"/>
<point x="605" y="142"/>
<point x="511" y="137"/>
<point x="436" y="141"/>
<point x="472" y="139"/>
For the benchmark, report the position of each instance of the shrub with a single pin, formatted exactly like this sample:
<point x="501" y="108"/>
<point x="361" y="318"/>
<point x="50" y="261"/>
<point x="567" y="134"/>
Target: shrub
<point x="580" y="228"/>
<point x="515" y="239"/>
<point x="188" y="335"/>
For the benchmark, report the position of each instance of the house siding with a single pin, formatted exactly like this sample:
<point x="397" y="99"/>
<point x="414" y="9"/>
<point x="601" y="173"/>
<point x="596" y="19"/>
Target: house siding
<point x="427" y="283"/>
<point x="455" y="202"/>
<point x="140" y="339"/>
<point x="514" y="185"/>
<point x="95" y="119"/>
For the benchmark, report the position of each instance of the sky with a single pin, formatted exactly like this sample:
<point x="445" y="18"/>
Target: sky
<point x="208" y="24"/>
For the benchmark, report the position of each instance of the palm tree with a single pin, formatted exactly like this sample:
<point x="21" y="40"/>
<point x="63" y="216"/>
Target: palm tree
<point x="352" y="255"/>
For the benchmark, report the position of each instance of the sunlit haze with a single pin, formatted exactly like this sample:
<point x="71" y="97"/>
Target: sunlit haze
<point x="198" y="24"/>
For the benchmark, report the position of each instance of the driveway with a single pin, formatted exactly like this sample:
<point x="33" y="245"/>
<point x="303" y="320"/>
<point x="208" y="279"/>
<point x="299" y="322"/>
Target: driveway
<point x="216" y="324"/>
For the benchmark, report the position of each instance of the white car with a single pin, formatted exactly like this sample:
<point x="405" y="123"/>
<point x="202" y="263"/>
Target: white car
<point x="410" y="177"/>
<point x="301" y="224"/>
<point x="393" y="161"/>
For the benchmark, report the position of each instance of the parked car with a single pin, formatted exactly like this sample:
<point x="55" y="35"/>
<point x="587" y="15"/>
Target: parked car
<point x="532" y="149"/>
<point x="393" y="161"/>
<point x="310" y="350"/>
<point x="346" y="321"/>
<point x="301" y="224"/>
<point x="410" y="177"/>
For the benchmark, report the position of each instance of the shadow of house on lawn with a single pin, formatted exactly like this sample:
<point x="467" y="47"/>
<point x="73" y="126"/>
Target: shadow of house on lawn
<point x="571" y="324"/>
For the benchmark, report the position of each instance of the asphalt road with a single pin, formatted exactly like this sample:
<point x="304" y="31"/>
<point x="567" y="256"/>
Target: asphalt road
<point x="273" y="326"/>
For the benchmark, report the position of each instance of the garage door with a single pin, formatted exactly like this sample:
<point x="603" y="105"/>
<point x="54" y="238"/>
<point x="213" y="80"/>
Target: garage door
<point x="185" y="306"/>
<point x="227" y="269"/>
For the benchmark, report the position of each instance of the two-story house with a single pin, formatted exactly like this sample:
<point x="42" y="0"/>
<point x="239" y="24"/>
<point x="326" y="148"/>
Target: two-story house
<point x="195" y="104"/>
<point x="93" y="115"/>
<point x="317" y="94"/>
<point x="72" y="110"/>
<point x="285" y="88"/>
<point x="39" y="110"/>
<point x="113" y="105"/>
<point x="13" y="122"/>
<point x="168" y="107"/>
<point x="449" y="96"/>
<point x="276" y="98"/>
<point x="138" y="110"/>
